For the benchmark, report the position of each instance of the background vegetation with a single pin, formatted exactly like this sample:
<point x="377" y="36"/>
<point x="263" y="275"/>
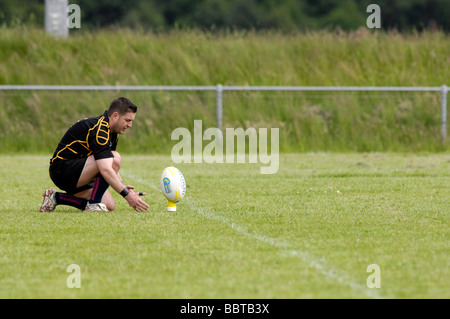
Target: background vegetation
<point x="307" y="121"/>
<point x="283" y="15"/>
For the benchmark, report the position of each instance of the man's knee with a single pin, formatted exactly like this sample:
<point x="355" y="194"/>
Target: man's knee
<point x="108" y="200"/>
<point x="117" y="161"/>
<point x="110" y="206"/>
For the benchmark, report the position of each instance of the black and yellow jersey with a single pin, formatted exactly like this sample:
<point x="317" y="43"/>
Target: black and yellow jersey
<point x="91" y="136"/>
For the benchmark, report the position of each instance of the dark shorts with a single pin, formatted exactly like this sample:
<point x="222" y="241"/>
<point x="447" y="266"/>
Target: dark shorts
<point x="65" y="174"/>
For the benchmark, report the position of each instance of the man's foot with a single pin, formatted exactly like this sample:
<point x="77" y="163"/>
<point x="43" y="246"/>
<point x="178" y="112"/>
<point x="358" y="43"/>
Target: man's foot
<point x="96" y="207"/>
<point x="49" y="201"/>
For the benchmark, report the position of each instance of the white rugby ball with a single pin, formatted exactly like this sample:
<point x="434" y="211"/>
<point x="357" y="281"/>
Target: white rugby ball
<point x="173" y="185"/>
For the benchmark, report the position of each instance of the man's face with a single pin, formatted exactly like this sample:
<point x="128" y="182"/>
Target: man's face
<point x="119" y="124"/>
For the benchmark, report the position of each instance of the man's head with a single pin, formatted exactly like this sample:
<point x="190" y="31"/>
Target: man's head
<point x="121" y="114"/>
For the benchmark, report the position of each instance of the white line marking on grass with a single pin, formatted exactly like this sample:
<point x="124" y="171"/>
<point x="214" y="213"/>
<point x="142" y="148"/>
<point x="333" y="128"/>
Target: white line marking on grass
<point x="319" y="264"/>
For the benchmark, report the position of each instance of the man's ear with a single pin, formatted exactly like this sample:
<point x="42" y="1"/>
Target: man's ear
<point x="115" y="116"/>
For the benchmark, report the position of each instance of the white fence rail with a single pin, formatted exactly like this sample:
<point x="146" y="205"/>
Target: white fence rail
<point x="219" y="89"/>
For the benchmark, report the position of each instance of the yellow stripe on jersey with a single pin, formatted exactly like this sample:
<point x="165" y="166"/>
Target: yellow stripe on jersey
<point x="67" y="147"/>
<point x="100" y="123"/>
<point x="103" y="127"/>
<point x="103" y="124"/>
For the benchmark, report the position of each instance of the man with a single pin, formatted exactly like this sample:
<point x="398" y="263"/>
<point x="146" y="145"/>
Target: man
<point x="86" y="163"/>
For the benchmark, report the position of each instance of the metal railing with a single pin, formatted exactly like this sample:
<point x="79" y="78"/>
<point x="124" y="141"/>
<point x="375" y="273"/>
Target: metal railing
<point x="219" y="89"/>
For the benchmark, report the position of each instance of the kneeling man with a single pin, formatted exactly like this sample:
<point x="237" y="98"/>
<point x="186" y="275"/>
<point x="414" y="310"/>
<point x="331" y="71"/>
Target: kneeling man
<point x="86" y="163"/>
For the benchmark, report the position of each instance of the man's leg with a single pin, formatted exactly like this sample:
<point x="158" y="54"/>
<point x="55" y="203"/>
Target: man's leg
<point x="107" y="199"/>
<point x="52" y="198"/>
<point x="99" y="193"/>
<point x="95" y="195"/>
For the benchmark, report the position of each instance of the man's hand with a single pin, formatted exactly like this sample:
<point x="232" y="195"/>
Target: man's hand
<point x="136" y="202"/>
<point x="130" y="188"/>
<point x="115" y="181"/>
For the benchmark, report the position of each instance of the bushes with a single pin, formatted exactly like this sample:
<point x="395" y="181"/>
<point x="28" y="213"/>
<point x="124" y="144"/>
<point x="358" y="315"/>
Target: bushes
<point x="34" y="121"/>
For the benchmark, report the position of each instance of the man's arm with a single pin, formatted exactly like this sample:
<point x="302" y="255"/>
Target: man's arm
<point x="114" y="180"/>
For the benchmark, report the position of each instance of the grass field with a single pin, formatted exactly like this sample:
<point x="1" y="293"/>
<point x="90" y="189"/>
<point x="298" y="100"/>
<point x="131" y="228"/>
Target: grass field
<point x="309" y="231"/>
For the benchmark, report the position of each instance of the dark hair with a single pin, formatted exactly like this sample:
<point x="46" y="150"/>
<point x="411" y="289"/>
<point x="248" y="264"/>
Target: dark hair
<point x="121" y="105"/>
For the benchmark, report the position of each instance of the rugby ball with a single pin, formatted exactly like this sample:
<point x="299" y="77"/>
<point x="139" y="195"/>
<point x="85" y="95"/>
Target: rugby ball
<point x="173" y="185"/>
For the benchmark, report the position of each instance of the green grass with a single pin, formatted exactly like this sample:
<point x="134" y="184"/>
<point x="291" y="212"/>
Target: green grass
<point x="362" y="122"/>
<point x="309" y="231"/>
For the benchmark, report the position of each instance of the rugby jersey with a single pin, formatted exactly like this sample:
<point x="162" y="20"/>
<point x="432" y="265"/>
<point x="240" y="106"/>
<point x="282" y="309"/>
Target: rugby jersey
<point x="91" y="136"/>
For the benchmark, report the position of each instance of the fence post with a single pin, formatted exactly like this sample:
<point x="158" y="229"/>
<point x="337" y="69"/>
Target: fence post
<point x="219" y="90"/>
<point x="443" y="114"/>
